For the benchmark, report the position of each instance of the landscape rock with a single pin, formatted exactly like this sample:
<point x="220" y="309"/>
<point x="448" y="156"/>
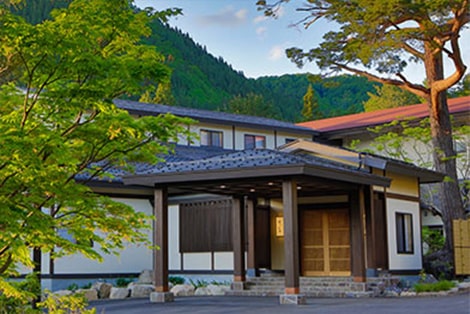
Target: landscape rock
<point x="182" y="290"/>
<point x="202" y="291"/>
<point x="145" y="277"/>
<point x="119" y="293"/>
<point x="61" y="293"/>
<point x="218" y="289"/>
<point x="103" y="288"/>
<point x="408" y="294"/>
<point x="141" y="291"/>
<point x="464" y="286"/>
<point x="89" y="294"/>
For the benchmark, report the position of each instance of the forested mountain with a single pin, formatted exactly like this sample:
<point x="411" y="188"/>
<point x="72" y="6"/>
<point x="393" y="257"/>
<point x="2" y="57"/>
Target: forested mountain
<point x="200" y="80"/>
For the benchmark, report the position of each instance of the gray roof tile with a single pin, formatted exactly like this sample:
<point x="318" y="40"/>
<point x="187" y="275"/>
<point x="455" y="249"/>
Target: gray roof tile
<point x="212" y="116"/>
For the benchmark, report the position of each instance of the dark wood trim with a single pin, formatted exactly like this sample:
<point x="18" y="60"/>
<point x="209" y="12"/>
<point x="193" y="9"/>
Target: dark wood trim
<point x="291" y="236"/>
<point x="405" y="271"/>
<point x="358" y="264"/>
<point x="403" y="197"/>
<point x="200" y="272"/>
<point x="88" y="276"/>
<point x="251" y="223"/>
<point x="238" y="238"/>
<point x="160" y="267"/>
<point x="275" y="139"/>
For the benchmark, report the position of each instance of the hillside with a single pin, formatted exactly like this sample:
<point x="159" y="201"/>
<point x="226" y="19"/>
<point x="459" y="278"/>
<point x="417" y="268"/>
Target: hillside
<point x="200" y="80"/>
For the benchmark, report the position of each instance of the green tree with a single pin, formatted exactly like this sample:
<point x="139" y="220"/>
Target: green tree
<point x="163" y="95"/>
<point x="59" y="129"/>
<point x="462" y="88"/>
<point x="311" y="109"/>
<point x="378" y="40"/>
<point x="389" y="96"/>
<point x="253" y="105"/>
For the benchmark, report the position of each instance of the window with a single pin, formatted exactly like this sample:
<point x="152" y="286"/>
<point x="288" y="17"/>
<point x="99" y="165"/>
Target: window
<point x="255" y="141"/>
<point x="404" y="233"/>
<point x="289" y="140"/>
<point x="211" y="138"/>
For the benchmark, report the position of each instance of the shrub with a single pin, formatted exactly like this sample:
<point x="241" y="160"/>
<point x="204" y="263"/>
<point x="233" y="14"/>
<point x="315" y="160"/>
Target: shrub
<point x="123" y="282"/>
<point x="198" y="283"/>
<point x="442" y="285"/>
<point x="176" y="280"/>
<point x="72" y="287"/>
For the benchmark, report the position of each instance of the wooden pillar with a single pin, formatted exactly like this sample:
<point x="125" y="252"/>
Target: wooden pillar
<point x="291" y="237"/>
<point x="238" y="238"/>
<point x="160" y="239"/>
<point x="251" y="221"/>
<point x="358" y="248"/>
<point x="291" y="245"/>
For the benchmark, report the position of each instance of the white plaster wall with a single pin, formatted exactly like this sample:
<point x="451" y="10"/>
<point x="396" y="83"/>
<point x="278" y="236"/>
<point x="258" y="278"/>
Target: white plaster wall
<point x="403" y="261"/>
<point x="223" y="261"/>
<point x="197" y="261"/>
<point x="134" y="258"/>
<point x="174" y="256"/>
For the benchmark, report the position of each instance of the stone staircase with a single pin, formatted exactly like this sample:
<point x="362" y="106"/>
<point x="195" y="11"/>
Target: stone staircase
<point x="325" y="287"/>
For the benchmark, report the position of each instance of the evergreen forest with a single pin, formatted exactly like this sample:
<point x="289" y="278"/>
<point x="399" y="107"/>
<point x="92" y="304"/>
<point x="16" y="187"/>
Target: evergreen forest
<point x="201" y="80"/>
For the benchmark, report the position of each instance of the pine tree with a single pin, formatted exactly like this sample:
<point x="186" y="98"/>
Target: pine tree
<point x="311" y="110"/>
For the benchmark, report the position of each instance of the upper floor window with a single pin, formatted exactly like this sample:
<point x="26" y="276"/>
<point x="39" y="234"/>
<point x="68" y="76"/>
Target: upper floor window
<point x="255" y="141"/>
<point x="211" y="138"/>
<point x="404" y="226"/>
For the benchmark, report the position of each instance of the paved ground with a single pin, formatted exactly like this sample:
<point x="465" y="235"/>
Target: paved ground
<point x="452" y="304"/>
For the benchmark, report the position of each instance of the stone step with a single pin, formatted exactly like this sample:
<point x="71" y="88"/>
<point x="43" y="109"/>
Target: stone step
<point x="316" y="294"/>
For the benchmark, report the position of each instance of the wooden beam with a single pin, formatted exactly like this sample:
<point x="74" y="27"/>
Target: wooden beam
<point x="358" y="262"/>
<point x="291" y="236"/>
<point x="251" y="221"/>
<point x="238" y="238"/>
<point x="160" y="266"/>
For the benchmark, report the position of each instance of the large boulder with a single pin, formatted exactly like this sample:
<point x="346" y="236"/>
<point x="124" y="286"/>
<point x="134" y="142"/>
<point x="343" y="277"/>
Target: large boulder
<point x="103" y="288"/>
<point x="89" y="294"/>
<point x="218" y="289"/>
<point x="183" y="290"/>
<point x="61" y="293"/>
<point x="141" y="291"/>
<point x="119" y="293"/>
<point x="145" y="277"/>
<point x="202" y="291"/>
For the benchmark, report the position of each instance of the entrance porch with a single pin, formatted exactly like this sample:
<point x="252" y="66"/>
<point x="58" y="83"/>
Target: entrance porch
<point x="315" y="242"/>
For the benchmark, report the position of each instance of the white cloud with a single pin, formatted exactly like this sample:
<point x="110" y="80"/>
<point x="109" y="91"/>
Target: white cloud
<point x="276" y="53"/>
<point x="259" y="19"/>
<point x="226" y="17"/>
<point x="261" y="30"/>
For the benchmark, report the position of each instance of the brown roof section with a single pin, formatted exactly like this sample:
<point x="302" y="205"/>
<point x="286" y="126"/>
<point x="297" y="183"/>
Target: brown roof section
<point x="367" y="119"/>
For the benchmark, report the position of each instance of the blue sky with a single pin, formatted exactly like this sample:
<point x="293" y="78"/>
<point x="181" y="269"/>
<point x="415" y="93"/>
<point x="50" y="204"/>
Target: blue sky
<point x="252" y="43"/>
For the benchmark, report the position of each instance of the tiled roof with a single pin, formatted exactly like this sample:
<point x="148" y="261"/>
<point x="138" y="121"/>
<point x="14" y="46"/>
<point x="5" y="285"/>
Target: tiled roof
<point x="368" y="119"/>
<point x="216" y="117"/>
<point x="180" y="154"/>
<point x="244" y="159"/>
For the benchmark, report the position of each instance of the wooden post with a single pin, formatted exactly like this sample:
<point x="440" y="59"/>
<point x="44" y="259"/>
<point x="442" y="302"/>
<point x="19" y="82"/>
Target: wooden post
<point x="357" y="202"/>
<point x="251" y="221"/>
<point x="238" y="238"/>
<point x="160" y="238"/>
<point x="291" y="244"/>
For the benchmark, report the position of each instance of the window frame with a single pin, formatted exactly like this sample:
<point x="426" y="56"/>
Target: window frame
<point x="210" y="137"/>
<point x="255" y="139"/>
<point x="404" y="233"/>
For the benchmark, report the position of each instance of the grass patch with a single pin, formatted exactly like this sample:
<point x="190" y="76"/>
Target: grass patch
<point x="443" y="285"/>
